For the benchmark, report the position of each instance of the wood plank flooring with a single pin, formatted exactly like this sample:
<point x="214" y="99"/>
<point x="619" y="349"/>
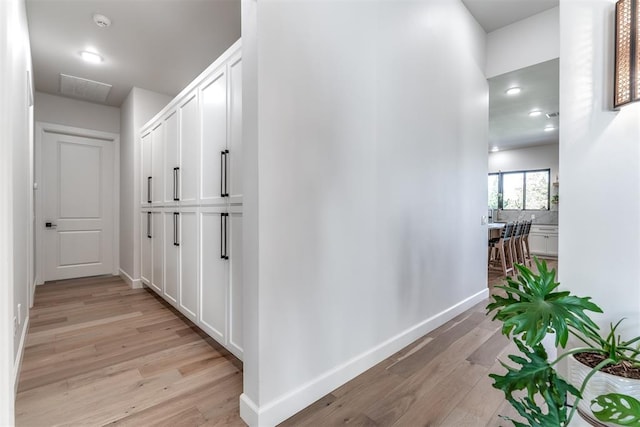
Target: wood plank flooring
<point x="100" y="353"/>
<point x="439" y="380"/>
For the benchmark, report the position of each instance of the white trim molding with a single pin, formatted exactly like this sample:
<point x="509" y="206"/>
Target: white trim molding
<point x="20" y="355"/>
<point x="278" y="410"/>
<point x="133" y="283"/>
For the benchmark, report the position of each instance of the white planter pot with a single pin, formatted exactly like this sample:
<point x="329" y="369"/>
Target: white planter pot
<point x="599" y="384"/>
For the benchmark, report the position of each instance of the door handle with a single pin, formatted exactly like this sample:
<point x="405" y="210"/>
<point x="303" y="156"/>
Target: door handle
<point x="148" y="189"/>
<point x="176" y="237"/>
<point x="223" y="173"/>
<point x="223" y="236"/>
<point x="50" y="225"/>
<point x="149" y="225"/>
<point x="175" y="183"/>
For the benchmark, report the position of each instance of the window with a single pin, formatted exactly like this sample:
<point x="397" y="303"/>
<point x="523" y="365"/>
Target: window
<point x="519" y="189"/>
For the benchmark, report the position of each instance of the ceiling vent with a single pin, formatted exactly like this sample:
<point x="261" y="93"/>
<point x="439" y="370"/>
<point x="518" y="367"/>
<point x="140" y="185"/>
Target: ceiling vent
<point x="85" y="89"/>
<point x="551" y="115"/>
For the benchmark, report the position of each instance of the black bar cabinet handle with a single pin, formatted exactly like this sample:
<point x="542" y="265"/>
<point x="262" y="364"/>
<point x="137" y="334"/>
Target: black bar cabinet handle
<point x="175" y="183"/>
<point x="148" y="189"/>
<point x="175" y="229"/>
<point x="226" y="173"/>
<point x="149" y="225"/>
<point x="226" y="232"/>
<point x="222" y="162"/>
<point x="222" y="236"/>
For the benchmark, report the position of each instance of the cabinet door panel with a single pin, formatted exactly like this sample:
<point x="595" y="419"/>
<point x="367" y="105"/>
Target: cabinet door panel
<point x="157" y="247"/>
<point x="537" y="243"/>
<point x="171" y="254"/>
<point x="213" y="276"/>
<point x="157" y="164"/>
<point x="235" y="130"/>
<point x="189" y="150"/>
<point x="189" y="264"/>
<point x="214" y="137"/>
<point x="145" y="247"/>
<point x="235" y="283"/>
<point x="171" y="160"/>
<point x="145" y="153"/>
<point x="552" y="245"/>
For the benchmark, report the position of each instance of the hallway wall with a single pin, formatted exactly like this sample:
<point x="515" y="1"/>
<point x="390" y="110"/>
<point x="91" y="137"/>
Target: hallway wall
<point x="368" y="125"/>
<point x="76" y="113"/>
<point x="137" y="109"/>
<point x="16" y="151"/>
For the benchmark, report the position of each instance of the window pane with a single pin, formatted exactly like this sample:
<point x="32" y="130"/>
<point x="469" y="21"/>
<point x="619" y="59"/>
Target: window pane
<point x="512" y="188"/>
<point x="493" y="191"/>
<point x="537" y="190"/>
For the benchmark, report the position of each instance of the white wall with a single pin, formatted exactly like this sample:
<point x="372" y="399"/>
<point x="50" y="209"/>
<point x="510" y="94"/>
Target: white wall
<point x="366" y="129"/>
<point x="600" y="162"/>
<point x="138" y="108"/>
<point x="527" y="42"/>
<point x="73" y="112"/>
<point x="16" y="142"/>
<point x="541" y="157"/>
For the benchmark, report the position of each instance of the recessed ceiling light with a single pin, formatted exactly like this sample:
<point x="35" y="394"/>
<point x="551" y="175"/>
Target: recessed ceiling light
<point x="101" y="20"/>
<point x="92" y="57"/>
<point x="494" y="149"/>
<point x="549" y="128"/>
<point x="513" y="90"/>
<point x="535" y="113"/>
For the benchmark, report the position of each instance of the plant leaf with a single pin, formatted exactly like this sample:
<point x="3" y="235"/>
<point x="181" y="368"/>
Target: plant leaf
<point x="617" y="408"/>
<point x="537" y="377"/>
<point x="532" y="308"/>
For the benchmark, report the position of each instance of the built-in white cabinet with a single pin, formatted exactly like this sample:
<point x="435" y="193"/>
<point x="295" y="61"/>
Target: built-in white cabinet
<point x="221" y="101"/>
<point x="234" y="259"/>
<point x="543" y="240"/>
<point x="171" y="256"/>
<point x="157" y="253"/>
<point x="145" y="247"/>
<point x="191" y="201"/>
<point x="188" y="238"/>
<point x="171" y="168"/>
<point x="213" y="272"/>
<point x="145" y="183"/>
<point x="189" y="173"/>
<point x="221" y="275"/>
<point x="157" y="158"/>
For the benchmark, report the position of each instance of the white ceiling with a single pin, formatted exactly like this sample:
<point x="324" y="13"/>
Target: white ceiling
<point x="159" y="45"/>
<point x="494" y="14"/>
<point x="510" y="125"/>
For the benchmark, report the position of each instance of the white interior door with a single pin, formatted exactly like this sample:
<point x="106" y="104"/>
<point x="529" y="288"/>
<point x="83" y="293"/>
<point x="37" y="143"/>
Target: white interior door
<point x="78" y="203"/>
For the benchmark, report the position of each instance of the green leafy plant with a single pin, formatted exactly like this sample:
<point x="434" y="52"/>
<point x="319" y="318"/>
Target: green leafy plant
<point x="532" y="308"/>
<point x="618" y="408"/>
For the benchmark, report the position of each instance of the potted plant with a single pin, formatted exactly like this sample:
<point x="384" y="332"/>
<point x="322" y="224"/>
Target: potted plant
<point x="531" y="310"/>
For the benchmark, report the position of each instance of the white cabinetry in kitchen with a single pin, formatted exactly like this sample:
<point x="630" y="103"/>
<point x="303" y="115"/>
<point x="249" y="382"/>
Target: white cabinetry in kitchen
<point x="543" y="240"/>
<point x="191" y="164"/>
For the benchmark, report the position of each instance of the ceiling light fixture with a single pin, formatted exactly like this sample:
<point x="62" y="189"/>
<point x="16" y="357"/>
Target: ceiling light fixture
<point x="495" y="149"/>
<point x="101" y="20"/>
<point x="549" y="128"/>
<point x="513" y="90"/>
<point x="627" y="60"/>
<point x="535" y="113"/>
<point x="91" y="57"/>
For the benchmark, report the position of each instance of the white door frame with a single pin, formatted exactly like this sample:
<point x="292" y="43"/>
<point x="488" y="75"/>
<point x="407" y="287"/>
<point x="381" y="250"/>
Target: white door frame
<point x="41" y="129"/>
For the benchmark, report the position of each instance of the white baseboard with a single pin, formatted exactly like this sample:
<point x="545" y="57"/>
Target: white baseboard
<point x="18" y="363"/>
<point x="133" y="283"/>
<point x="278" y="410"/>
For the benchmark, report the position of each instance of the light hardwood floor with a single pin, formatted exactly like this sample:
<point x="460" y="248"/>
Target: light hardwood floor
<point x="98" y="353"/>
